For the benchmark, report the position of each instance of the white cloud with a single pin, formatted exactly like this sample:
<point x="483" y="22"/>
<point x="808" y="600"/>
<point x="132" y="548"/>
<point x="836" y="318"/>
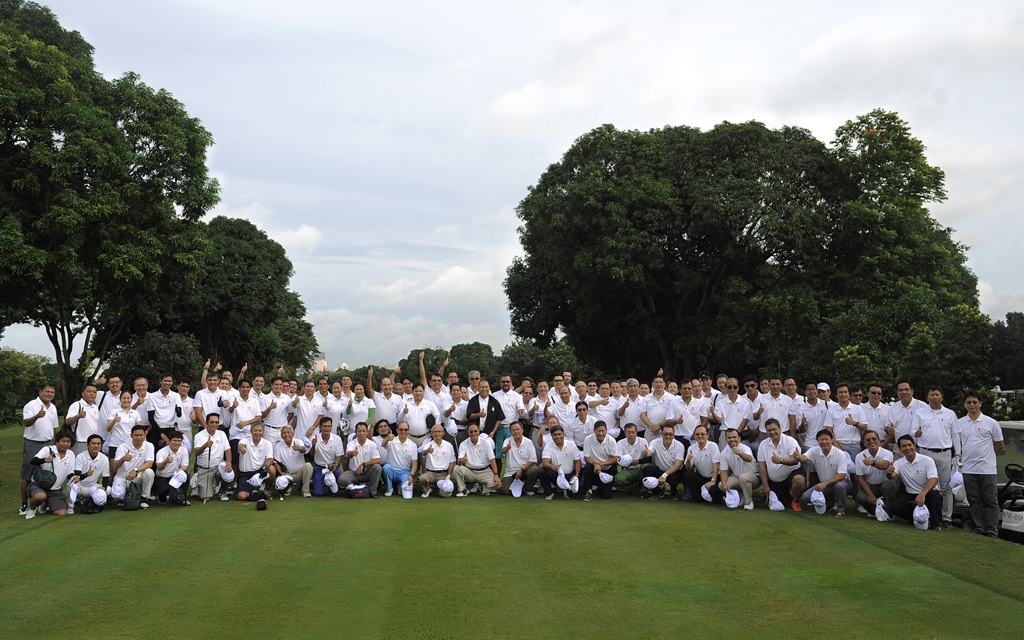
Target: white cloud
<point x="998" y="303"/>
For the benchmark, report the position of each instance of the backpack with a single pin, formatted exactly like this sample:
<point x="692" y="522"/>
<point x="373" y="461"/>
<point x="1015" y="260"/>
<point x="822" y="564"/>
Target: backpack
<point x="132" y="497"/>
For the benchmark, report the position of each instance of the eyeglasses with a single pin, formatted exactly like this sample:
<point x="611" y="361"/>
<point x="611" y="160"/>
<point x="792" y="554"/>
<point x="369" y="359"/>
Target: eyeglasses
<point x="875" y="393"/>
<point x="749" y="385"/>
<point x="731" y="386"/>
<point x="402" y="430"/>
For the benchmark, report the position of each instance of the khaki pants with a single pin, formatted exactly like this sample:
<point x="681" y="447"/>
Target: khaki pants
<point x="429" y="480"/>
<point x="746" y="483"/>
<point x="529" y="478"/>
<point x="464" y="475"/>
<point x="302" y="476"/>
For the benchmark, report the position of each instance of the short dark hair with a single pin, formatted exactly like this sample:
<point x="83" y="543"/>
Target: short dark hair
<point x="823" y="432"/>
<point x="66" y="433"/>
<point x="906" y="436"/>
<point x="139" y="427"/>
<point x="972" y="394"/>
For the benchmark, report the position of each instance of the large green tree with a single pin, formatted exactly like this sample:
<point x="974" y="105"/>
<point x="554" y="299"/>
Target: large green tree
<point x="102" y="184"/>
<point x="743" y="248"/>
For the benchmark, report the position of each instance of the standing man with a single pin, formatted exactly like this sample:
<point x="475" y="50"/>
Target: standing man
<point x="186" y="414"/>
<point x="901" y="413"/>
<point x="421" y="414"/>
<point x="207" y="400"/>
<point x="933" y="428"/>
<point x="84" y="417"/>
<point x="389" y="405"/>
<point x="808" y="417"/>
<point x="730" y="410"/>
<point x="875" y="411"/>
<point x="656" y="408"/>
<point x="109" y="401"/>
<point x="631" y="407"/>
<point x="981" y="440"/>
<point x="485" y="411"/>
<point x="40" y="422"/>
<point x="162" y="409"/>
<point x="275" y="409"/>
<point x="512" y="408"/>
<point x="775" y="405"/>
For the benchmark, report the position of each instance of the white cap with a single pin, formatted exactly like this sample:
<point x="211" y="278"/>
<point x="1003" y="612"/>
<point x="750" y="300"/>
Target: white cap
<point x="406" y="490"/>
<point x="179" y="478"/>
<point x="517" y="488"/>
<point x="73" y="492"/>
<point x="225" y="475"/>
<point x="956" y="480"/>
<point x="282" y="483"/>
<point x="98" y="495"/>
<point x="561" y="482"/>
<point x="732" y="498"/>
<point x="256" y="480"/>
<point x="823" y="386"/>
<point x="705" y="494"/>
<point x="574" y="484"/>
<point x="330" y="481"/>
<point x="818" y="502"/>
<point x="880" y="513"/>
<point x="626" y="460"/>
<point x="117" y="489"/>
<point x="606" y="478"/>
<point x="921" y="517"/>
<point x="446" y="485"/>
<point x="651" y="482"/>
<point x="774" y="503"/>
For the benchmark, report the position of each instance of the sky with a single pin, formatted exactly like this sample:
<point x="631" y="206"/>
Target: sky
<point x="386" y="145"/>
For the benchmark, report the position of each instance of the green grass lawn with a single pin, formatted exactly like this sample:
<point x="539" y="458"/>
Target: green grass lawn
<point x="494" y="567"/>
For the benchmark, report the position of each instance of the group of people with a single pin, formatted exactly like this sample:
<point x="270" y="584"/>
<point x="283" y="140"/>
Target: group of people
<point x="713" y="440"/>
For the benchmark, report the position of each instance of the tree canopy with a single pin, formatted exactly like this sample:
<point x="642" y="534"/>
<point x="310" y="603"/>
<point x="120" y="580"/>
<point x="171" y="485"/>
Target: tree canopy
<point x="743" y="248"/>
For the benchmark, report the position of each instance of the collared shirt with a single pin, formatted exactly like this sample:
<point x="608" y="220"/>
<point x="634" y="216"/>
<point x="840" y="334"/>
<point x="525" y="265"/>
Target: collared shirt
<point x="937" y="428"/>
<point x="692" y="414"/>
<point x="814" y="414"/>
<point x="180" y="460"/>
<point x="635" y="450"/>
<point x="657" y="408"/>
<point x="436" y="456"/>
<point x="479" y="455"/>
<point x="43" y="428"/>
<point x="91" y="469"/>
<point x="64" y="467"/>
<point x="255" y="456"/>
<point x="416" y="416"/>
<point x="777" y="408"/>
<point x="90" y="424"/>
<point x="902" y="417"/>
<point x="916" y="474"/>
<point x="600" y="452"/>
<point x="564" y="458"/>
<point x="836" y="419"/>
<point x="511" y="405"/>
<point x="977" y="441"/>
<point x="140" y="456"/>
<point x="327" y="451"/>
<point x="827" y="466"/>
<point x="163" y="407"/>
<point x="704" y="460"/>
<point x="401" y="454"/>
<point x="736" y="465"/>
<point x="664" y="457"/>
<point x="870" y="473"/>
<point x="389" y="409"/>
<point x="364" y="453"/>
<point x="785" y="449"/>
<point x="215" y="454"/>
<point x="291" y="459"/>
<point x="519" y="455"/>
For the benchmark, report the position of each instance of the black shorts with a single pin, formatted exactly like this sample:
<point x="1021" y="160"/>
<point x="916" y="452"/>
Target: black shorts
<point x="781" y="488"/>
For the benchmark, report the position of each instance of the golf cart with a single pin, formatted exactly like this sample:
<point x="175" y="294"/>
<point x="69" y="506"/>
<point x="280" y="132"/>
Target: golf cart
<point x="1011" y="505"/>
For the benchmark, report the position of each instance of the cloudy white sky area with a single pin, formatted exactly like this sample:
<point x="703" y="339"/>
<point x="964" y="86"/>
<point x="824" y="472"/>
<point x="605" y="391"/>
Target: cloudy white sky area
<point x="387" y="144"/>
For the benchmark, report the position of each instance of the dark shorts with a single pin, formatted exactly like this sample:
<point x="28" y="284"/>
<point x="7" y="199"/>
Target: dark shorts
<point x="55" y="498"/>
<point x="242" y="480"/>
<point x="781" y="488"/>
<point x="29" y="450"/>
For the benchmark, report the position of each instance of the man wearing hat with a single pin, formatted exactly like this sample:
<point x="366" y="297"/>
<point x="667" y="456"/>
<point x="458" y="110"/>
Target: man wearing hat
<point x="561" y="457"/>
<point x="912" y="482"/>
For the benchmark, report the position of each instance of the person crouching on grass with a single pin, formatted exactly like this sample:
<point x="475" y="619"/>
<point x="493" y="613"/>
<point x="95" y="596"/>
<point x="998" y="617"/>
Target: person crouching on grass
<point x="62" y="462"/>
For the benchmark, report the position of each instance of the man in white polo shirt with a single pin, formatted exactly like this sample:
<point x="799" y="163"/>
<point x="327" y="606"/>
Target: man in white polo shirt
<point x="403" y="461"/>
<point x="256" y="456"/>
<point x="846" y="420"/>
<point x="601" y="456"/>
<point x="476" y="464"/>
<point x="738" y="469"/>
<point x="830" y="462"/>
<point x="61" y="461"/>
<point x="872" y="463"/>
<point x="133" y="463"/>
<point x="933" y="429"/>
<point x="901" y="413"/>
<point x="276" y="408"/>
<point x="561" y="456"/>
<point x="168" y="461"/>
<point x="162" y="410"/>
<point x="438" y="462"/>
<point x="290" y="460"/>
<point x="665" y="463"/>
<point x="212" y="449"/>
<point x="981" y="441"/>
<point x="40" y="422"/>
<point x="912" y="482"/>
<point x="84" y="417"/>
<point x="520" y="461"/>
<point x="363" y="456"/>
<point x="778" y="461"/>
<point x="92" y="467"/>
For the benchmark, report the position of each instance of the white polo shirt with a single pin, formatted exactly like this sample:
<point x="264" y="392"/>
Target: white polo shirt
<point x="43" y="428"/>
<point x="93" y="470"/>
<point x="90" y="424"/>
<point x="736" y="465"/>
<point x="364" y="453"/>
<point x="291" y="459"/>
<point x="389" y="409"/>
<point x="327" y="451"/>
<point x="140" y="456"/>
<point x="564" y="458"/>
<point x="785" y="449"/>
<point x="278" y="415"/>
<point x="121" y="432"/>
<point x="519" y="455"/>
<point x="937" y="428"/>
<point x="478" y="456"/>
<point x="416" y="416"/>
<point x="635" y="450"/>
<point x="600" y="451"/>
<point x="902" y="417"/>
<point x="692" y="414"/>
<point x="871" y="474"/>
<point x="836" y="419"/>
<point x="664" y="457"/>
<point x="163" y="407"/>
<point x="437" y="457"/>
<point x="777" y="408"/>
<point x="180" y="460"/>
<point x="917" y="474"/>
<point x="631" y="414"/>
<point x="815" y="415"/>
<point x="977" y="440"/>
<point x="704" y="459"/>
<point x="401" y="454"/>
<point x="63" y="468"/>
<point x="828" y="465"/>
<point x="214" y="455"/>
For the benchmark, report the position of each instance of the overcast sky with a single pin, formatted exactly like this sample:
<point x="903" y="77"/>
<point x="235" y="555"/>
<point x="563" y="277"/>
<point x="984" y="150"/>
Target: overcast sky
<point x="387" y="144"/>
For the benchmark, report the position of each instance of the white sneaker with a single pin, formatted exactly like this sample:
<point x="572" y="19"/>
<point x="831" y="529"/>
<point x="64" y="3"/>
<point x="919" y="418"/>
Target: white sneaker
<point x="861" y="509"/>
<point x="23" y="511"/>
<point x="307" y="494"/>
<point x="550" y="497"/>
<point x="474" y="488"/>
<point x="30" y="513"/>
<point x="224" y="497"/>
<point x="389" y="493"/>
<point x="426" y="493"/>
<point x="461" y="494"/>
<point x="749" y="506"/>
<point x="71" y="510"/>
<point x="143" y="505"/>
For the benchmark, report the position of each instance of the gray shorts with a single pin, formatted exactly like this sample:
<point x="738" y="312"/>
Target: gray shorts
<point x="55" y="498"/>
<point x="29" y="450"/>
